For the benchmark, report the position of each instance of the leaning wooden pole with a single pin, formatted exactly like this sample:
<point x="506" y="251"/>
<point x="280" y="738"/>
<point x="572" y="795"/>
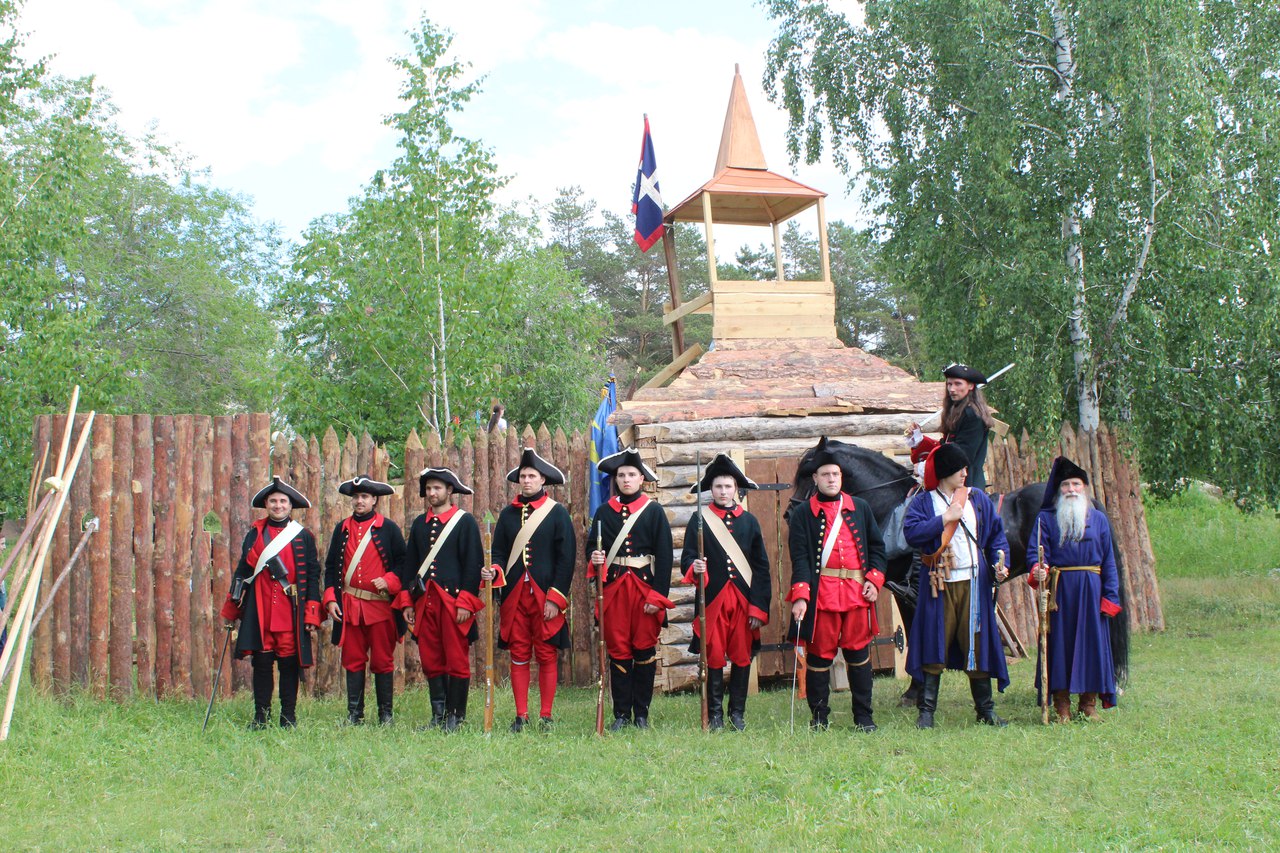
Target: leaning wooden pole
<point x="65" y="474"/>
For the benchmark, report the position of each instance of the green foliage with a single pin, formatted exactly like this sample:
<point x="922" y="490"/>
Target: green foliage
<point x="420" y="304"/>
<point x="976" y="154"/>
<point x="1202" y="537"/>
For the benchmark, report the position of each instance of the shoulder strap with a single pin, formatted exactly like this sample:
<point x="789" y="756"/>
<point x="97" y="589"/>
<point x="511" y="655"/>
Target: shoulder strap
<point x="622" y="534"/>
<point x="355" y="560"/>
<point x="949" y="530"/>
<point x="276" y="545"/>
<point x="527" y="530"/>
<point x="730" y="545"/>
<point x="833" y="533"/>
<point x="439" y="543"/>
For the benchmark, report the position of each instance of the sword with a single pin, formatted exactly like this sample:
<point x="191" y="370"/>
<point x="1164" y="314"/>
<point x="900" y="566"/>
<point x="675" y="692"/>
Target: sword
<point x="222" y="659"/>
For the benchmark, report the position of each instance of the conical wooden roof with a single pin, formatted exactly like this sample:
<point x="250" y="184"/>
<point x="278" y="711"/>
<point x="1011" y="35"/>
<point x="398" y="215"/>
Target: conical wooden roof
<point x="743" y="190"/>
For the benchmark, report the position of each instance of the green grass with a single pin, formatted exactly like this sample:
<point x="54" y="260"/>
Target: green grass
<point x="1189" y="759"/>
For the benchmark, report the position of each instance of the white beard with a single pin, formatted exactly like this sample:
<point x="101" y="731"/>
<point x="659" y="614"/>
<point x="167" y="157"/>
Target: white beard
<point x="1072" y="514"/>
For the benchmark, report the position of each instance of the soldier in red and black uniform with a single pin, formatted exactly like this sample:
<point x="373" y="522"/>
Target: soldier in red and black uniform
<point x="635" y="543"/>
<point x="364" y="595"/>
<point x="738" y="586"/>
<point x="533" y="555"/>
<point x="275" y="593"/>
<point x="837" y="569"/>
<point x="442" y="573"/>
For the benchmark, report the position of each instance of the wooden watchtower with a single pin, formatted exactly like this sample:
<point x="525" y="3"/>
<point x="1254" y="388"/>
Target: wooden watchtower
<point x="744" y="192"/>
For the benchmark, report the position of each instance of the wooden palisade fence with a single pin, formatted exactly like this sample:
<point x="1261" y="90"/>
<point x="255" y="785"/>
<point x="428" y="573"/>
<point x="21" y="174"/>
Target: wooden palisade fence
<point x="173" y="492"/>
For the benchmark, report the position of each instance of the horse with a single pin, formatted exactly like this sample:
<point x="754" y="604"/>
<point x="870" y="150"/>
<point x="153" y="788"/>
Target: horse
<point x="888" y="486"/>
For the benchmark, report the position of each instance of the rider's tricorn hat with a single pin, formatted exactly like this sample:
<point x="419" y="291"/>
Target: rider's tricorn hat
<point x="964" y="371"/>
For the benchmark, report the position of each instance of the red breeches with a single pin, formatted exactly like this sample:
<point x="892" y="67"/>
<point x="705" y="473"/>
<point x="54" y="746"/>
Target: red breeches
<point x="626" y="626"/>
<point x="369" y="644"/>
<point x="850" y="630"/>
<point x="728" y="637"/>
<point x="283" y="643"/>
<point x="443" y="648"/>
<point x="524" y="641"/>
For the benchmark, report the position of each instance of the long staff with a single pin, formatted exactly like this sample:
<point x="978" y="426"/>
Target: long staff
<point x="217" y="679"/>
<point x="604" y="657"/>
<point x="702" y="605"/>
<point x="1042" y="604"/>
<point x="488" y="626"/>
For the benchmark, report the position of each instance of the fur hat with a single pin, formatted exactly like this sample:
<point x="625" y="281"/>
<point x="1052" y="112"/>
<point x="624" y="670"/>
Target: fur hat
<point x="945" y="460"/>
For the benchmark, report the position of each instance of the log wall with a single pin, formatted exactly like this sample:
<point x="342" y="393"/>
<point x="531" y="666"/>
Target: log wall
<point x="139" y="615"/>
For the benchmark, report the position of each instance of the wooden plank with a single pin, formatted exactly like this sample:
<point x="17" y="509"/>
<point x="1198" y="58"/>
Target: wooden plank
<point x="100" y="555"/>
<point x="67" y="631"/>
<point x="799" y="288"/>
<point x="667" y="373"/>
<point x="750" y="429"/>
<point x="41" y="664"/>
<point x="122" y="569"/>
<point x="499" y="488"/>
<point x="326" y="678"/>
<point x="222" y="558"/>
<point x="184" y="522"/>
<point x="673" y="281"/>
<point x="777" y="448"/>
<point x="581" y="613"/>
<point x="202" y="601"/>
<point x="241" y="517"/>
<point x="693" y="306"/>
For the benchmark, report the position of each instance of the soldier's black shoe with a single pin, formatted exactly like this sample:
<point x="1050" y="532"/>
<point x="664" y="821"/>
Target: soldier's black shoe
<point x="453" y="722"/>
<point x="642" y="722"/>
<point x="927" y="700"/>
<point x="715" y="699"/>
<point x="619" y="723"/>
<point x="437" y="688"/>
<point x="737" y="721"/>
<point x="983" y="703"/>
<point x="260" y="719"/>
<point x="545" y="724"/>
<point x="739" y="682"/>
<point x="355" y="698"/>
<point x="821" y="720"/>
<point x="866" y="727"/>
<point x="384" y="689"/>
<point x="288" y="721"/>
<point x="518" y="726"/>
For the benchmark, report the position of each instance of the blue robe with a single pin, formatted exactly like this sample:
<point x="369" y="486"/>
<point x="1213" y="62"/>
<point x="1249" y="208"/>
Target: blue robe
<point x="923" y="530"/>
<point x="1079" y="638"/>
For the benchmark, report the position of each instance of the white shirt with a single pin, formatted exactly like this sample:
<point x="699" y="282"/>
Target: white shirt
<point x="964" y="554"/>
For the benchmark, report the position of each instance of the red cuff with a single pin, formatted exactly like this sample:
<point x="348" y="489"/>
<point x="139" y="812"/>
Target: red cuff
<point x="330" y="597"/>
<point x="311" y="613"/>
<point x="799" y="592"/>
<point x="1031" y="576"/>
<point x="401" y="600"/>
<point x="688" y="575"/>
<point x="659" y="600"/>
<point x="393" y="583"/>
<point x="921" y="450"/>
<point x="591" y="569"/>
<point x="558" y="598"/>
<point x="1110" y="608"/>
<point x="500" y="580"/>
<point x="230" y="610"/>
<point x="758" y="614"/>
<point x="876" y="577"/>
<point x="467" y="601"/>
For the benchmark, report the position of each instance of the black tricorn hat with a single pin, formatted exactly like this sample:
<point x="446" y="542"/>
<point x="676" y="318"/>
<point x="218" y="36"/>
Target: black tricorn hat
<point x="722" y="466"/>
<point x="366" y="484"/>
<point x="1063" y="469"/>
<point x="627" y="456"/>
<point x="445" y="476"/>
<point x="964" y="371"/>
<point x="277" y="485"/>
<point x="530" y="459"/>
<point x="822" y="453"/>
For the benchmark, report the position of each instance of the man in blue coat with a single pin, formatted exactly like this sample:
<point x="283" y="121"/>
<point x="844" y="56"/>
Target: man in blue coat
<point x="1080" y="567"/>
<point x="961" y="536"/>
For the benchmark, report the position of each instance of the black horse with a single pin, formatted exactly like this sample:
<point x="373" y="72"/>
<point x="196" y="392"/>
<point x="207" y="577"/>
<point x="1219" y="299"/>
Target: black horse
<point x="886" y="485"/>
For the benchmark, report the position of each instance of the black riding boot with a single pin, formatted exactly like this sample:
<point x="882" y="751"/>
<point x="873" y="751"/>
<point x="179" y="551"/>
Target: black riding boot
<point x="456" y="702"/>
<point x="860" y="680"/>
<point x="739" y="681"/>
<point x="436" y="687"/>
<point x="983" y="703"/>
<point x="355" y="697"/>
<point x="263" y="684"/>
<point x="642" y="677"/>
<point x="620" y="675"/>
<point x="817" y="683"/>
<point x="289" y="671"/>
<point x="384" y="688"/>
<point x="715" y="699"/>
<point x="927" y="701"/>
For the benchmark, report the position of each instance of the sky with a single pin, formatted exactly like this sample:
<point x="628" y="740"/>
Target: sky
<point x="284" y="101"/>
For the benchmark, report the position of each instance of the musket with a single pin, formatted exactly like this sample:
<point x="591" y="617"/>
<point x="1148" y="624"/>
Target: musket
<point x="604" y="658"/>
<point x="702" y="604"/>
<point x="217" y="679"/>
<point x="1042" y="639"/>
<point x="488" y="624"/>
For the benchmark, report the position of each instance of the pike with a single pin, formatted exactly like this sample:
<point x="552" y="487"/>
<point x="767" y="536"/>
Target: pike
<point x="1042" y="605"/>
<point x="702" y="605"/>
<point x="488" y="625"/>
<point x="217" y="679"/>
<point x="604" y="658"/>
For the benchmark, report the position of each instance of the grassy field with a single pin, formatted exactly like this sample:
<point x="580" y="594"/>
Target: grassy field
<point x="1191" y="758"/>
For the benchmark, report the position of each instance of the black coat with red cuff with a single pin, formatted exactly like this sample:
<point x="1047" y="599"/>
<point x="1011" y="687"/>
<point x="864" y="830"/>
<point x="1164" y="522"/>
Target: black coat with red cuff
<point x="650" y="535"/>
<point x="745" y="530"/>
<point x="306" y="567"/>
<point x="805" y="540"/>
<point x="548" y="558"/>
<point x="389" y="543"/>
<point x="455" y="570"/>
